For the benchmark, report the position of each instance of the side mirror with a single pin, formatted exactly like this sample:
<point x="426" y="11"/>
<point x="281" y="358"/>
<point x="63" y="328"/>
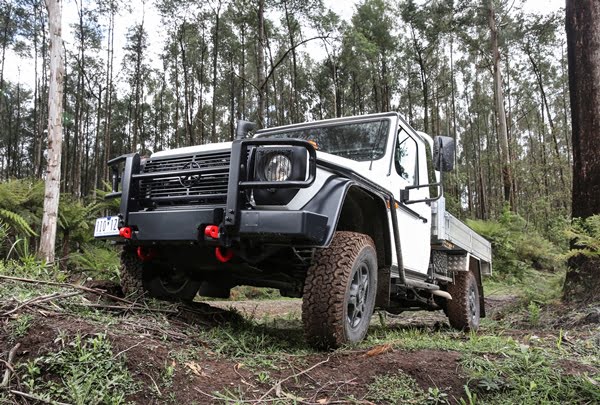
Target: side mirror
<point x="443" y="153"/>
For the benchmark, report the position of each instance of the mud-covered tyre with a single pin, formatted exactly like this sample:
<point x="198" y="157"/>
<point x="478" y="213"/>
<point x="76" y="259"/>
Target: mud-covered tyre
<point x="463" y="310"/>
<point x="339" y="291"/>
<point x="131" y="272"/>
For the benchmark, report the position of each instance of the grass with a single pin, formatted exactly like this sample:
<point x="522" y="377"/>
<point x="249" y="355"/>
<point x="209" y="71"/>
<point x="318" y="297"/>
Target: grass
<point x="84" y="371"/>
<point x="528" y="375"/>
<point x="535" y="285"/>
<point x="19" y="326"/>
<point x="519" y="359"/>
<point x="253" y="293"/>
<point x="255" y="345"/>
<point x="401" y="388"/>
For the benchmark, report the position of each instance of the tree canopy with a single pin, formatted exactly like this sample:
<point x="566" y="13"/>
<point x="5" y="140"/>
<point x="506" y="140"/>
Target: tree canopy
<point x="284" y="61"/>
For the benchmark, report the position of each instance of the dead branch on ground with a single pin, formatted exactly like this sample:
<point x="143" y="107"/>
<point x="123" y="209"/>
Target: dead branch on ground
<point x="70" y="285"/>
<point x="39" y="300"/>
<point x="9" y="368"/>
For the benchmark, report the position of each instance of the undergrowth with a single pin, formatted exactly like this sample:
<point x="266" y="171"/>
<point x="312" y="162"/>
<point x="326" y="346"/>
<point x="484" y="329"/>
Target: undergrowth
<point x="401" y="388"/>
<point x="529" y="375"/>
<point x="517" y="248"/>
<point x="88" y="370"/>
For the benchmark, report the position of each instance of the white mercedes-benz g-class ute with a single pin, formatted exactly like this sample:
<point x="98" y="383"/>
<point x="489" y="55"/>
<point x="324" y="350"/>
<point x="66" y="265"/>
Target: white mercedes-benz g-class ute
<point x="347" y="213"/>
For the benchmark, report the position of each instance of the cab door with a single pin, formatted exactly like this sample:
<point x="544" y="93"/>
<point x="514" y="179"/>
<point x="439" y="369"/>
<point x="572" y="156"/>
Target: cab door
<point x="409" y="168"/>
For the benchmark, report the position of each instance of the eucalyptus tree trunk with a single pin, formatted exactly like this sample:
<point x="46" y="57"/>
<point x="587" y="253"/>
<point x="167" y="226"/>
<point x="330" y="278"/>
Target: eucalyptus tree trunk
<point x="260" y="60"/>
<point x="214" y="74"/>
<point x="501" y="113"/>
<point x="583" y="46"/>
<point x="189" y="137"/>
<point x="291" y="33"/>
<point x="55" y="100"/>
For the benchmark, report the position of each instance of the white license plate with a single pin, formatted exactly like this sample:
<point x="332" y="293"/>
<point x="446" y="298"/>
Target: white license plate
<point x="107" y="226"/>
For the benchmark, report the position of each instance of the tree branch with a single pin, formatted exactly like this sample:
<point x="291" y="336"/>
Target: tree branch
<point x="285" y="54"/>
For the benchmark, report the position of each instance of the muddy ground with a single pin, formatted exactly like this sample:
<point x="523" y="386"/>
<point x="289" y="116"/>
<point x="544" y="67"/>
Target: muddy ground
<point x="206" y="367"/>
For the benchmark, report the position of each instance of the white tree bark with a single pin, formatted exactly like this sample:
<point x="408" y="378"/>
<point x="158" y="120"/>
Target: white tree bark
<point x="55" y="110"/>
<point x="499" y="100"/>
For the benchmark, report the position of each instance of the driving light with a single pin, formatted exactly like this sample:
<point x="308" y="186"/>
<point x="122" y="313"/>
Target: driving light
<point x="277" y="168"/>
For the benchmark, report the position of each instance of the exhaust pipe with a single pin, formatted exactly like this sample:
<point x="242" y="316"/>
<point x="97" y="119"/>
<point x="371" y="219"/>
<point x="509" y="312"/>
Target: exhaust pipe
<point x="441" y="293"/>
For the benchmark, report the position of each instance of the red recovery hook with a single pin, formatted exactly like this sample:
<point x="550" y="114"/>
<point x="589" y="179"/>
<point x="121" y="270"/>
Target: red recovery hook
<point x="223" y="254"/>
<point x="145" y="254"/>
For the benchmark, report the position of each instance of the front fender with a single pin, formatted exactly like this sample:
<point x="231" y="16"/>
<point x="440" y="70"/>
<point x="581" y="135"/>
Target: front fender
<point x="328" y="201"/>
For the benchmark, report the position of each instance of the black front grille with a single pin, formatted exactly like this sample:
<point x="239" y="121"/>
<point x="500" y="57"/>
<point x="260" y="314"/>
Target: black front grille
<point x="204" y="189"/>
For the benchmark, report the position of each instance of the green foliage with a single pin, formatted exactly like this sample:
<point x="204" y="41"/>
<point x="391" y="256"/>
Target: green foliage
<point x="21" y="206"/>
<point x="471" y="397"/>
<point x="33" y="269"/>
<point x="20" y="326"/>
<point x="528" y="375"/>
<point x="516" y="247"/>
<point x="533" y="285"/>
<point x="22" y="250"/>
<point x="18" y="224"/>
<point x="585" y="236"/>
<point x="534" y="313"/>
<point x="253" y="293"/>
<point x="401" y="388"/>
<point x="89" y="373"/>
<point x="20" y="213"/>
<point x="99" y="261"/>
<point x="76" y="219"/>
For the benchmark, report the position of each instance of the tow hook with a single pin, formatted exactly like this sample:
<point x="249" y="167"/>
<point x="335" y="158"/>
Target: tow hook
<point x="125" y="232"/>
<point x="145" y="254"/>
<point x="223" y="254"/>
<point x="212" y="231"/>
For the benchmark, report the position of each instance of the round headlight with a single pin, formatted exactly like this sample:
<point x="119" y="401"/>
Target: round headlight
<point x="277" y="168"/>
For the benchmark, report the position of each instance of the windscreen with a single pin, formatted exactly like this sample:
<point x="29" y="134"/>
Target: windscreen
<point x="360" y="141"/>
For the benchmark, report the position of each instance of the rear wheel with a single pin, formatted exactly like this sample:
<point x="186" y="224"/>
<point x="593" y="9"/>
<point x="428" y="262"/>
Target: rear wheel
<point x="463" y="309"/>
<point x="167" y="283"/>
<point x="155" y="279"/>
<point x="131" y="274"/>
<point x="339" y="291"/>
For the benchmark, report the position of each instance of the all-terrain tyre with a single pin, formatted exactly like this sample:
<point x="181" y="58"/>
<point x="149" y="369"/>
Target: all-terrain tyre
<point x="339" y="291"/>
<point x="463" y="309"/>
<point x="131" y="272"/>
<point x="155" y="280"/>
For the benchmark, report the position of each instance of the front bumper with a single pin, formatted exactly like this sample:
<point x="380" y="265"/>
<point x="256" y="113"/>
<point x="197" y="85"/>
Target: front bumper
<point x="236" y="219"/>
<point x="188" y="226"/>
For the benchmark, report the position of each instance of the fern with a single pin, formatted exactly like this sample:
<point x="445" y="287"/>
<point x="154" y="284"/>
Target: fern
<point x="585" y="237"/>
<point x="100" y="260"/>
<point x="517" y="248"/>
<point x="18" y="224"/>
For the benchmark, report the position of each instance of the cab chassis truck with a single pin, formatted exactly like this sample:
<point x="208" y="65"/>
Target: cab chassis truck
<point x="347" y="213"/>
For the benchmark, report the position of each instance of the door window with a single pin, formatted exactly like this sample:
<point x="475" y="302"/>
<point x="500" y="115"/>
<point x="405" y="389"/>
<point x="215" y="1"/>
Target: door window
<point x="405" y="158"/>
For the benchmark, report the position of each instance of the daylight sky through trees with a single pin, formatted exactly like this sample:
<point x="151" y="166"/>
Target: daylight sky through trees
<point x="187" y="71"/>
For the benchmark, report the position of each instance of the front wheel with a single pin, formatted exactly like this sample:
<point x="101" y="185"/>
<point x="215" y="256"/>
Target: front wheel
<point x="463" y="309"/>
<point x="339" y="291"/>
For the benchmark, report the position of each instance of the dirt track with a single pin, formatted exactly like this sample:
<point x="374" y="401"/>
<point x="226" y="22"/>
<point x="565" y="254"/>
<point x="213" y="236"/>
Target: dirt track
<point x="269" y="359"/>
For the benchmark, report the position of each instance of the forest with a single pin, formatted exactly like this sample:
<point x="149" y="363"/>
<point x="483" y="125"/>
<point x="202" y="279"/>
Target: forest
<point x="227" y="60"/>
<point x="501" y="77"/>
